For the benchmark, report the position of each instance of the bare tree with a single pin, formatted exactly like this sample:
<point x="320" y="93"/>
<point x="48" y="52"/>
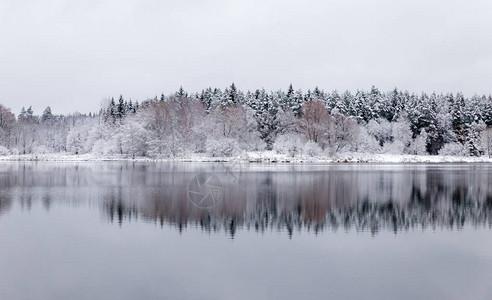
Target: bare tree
<point x="342" y="132"/>
<point x="314" y="120"/>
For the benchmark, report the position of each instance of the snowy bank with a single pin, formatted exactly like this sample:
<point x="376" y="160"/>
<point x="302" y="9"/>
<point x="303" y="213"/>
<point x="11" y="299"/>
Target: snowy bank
<point x="260" y="157"/>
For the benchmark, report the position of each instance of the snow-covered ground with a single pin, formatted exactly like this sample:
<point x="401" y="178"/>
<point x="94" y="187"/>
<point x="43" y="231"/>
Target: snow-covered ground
<point x="262" y="157"/>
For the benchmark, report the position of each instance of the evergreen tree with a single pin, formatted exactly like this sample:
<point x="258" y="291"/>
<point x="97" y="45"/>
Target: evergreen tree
<point x="266" y="116"/>
<point x="459" y="118"/>
<point x="206" y="98"/>
<point x="290" y="92"/>
<point x="308" y="97"/>
<point x="47" y="116"/>
<point x="374" y="105"/>
<point x="332" y="102"/>
<point x="23" y="114"/>
<point x="29" y="113"/>
<point x="120" y="111"/>
<point x="181" y="93"/>
<point x="296" y="103"/>
<point x="111" y="111"/>
<point x="318" y="95"/>
<point x="130" y="107"/>
<point x="487" y="110"/>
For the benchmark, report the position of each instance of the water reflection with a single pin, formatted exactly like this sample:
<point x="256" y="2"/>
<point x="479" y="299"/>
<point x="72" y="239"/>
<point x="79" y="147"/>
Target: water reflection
<point x="286" y="198"/>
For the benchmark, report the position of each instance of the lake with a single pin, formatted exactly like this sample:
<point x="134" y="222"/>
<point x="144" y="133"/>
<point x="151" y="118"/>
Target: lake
<point x="125" y="230"/>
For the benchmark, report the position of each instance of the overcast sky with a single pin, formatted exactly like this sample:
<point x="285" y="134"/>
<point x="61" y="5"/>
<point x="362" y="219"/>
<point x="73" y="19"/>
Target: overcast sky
<point x="73" y="54"/>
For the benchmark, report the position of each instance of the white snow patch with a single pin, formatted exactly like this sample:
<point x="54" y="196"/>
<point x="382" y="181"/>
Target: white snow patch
<point x="261" y="157"/>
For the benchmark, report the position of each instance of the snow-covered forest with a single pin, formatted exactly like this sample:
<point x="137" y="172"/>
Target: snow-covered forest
<point x="230" y="122"/>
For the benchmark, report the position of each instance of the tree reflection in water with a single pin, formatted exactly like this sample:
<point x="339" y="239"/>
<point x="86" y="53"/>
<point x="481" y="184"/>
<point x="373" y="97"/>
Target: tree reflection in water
<point x="286" y="198"/>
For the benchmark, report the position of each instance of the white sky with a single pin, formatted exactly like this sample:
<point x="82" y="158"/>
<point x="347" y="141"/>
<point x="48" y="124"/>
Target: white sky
<point x="73" y="54"/>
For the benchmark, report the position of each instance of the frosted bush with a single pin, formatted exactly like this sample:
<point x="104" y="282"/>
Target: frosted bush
<point x="418" y="146"/>
<point x="102" y="147"/>
<point x="453" y="149"/>
<point x="312" y="149"/>
<point x="365" y="143"/>
<point x="381" y="130"/>
<point x="252" y="142"/>
<point x="97" y="148"/>
<point x="396" y="147"/>
<point x="288" y="144"/>
<point x="3" y="151"/>
<point x="222" y="148"/>
<point x="200" y="143"/>
<point x="402" y="136"/>
<point x="41" y="150"/>
<point x="75" y="141"/>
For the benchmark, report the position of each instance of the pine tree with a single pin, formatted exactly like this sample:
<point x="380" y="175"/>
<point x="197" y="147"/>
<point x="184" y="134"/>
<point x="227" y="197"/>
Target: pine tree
<point x="120" y="111"/>
<point x="23" y="114"/>
<point x="345" y="106"/>
<point x="130" y="107"/>
<point x="290" y="92"/>
<point x="30" y="113"/>
<point x="233" y="94"/>
<point x="459" y="118"/>
<point x="374" y="104"/>
<point x="308" y="97"/>
<point x="331" y="102"/>
<point x="318" y="95"/>
<point x="181" y="93"/>
<point x="266" y="116"/>
<point x="487" y="110"/>
<point x="359" y="106"/>
<point x="111" y="111"/>
<point x="296" y="104"/>
<point x="47" y="116"/>
<point x="230" y="96"/>
<point x="206" y="97"/>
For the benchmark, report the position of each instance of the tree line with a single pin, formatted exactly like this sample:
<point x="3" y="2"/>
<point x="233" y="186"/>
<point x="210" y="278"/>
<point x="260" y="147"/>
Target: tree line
<point x="230" y="122"/>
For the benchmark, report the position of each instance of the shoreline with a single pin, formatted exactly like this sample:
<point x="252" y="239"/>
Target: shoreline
<point x="256" y="158"/>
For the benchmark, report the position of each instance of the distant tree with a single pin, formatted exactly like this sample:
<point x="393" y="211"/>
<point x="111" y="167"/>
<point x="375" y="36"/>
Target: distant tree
<point x="7" y="123"/>
<point x="181" y="93"/>
<point x="342" y="132"/>
<point x="112" y="111"/>
<point x="266" y="116"/>
<point x="29" y="112"/>
<point x="23" y="113"/>
<point x="47" y="115"/>
<point x="121" y="109"/>
<point x="130" y="108"/>
<point x="314" y="120"/>
<point x="487" y="141"/>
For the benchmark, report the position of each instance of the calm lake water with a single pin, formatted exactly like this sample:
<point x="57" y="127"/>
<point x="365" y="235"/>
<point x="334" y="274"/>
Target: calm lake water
<point x="122" y="230"/>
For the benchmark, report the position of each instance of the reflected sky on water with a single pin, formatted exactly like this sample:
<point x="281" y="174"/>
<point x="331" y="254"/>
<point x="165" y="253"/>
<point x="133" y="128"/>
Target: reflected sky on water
<point x="130" y="230"/>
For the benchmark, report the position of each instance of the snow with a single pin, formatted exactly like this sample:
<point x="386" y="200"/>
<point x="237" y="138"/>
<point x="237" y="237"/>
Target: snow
<point x="259" y="157"/>
<point x="260" y="126"/>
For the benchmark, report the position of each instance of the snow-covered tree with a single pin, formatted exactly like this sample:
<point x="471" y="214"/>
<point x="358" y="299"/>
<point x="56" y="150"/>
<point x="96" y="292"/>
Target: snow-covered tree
<point x="231" y="121"/>
<point x="314" y="120"/>
<point x="342" y="132"/>
<point x="133" y="136"/>
<point x="47" y="115"/>
<point x="7" y="123"/>
<point x="290" y="144"/>
<point x="418" y="145"/>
